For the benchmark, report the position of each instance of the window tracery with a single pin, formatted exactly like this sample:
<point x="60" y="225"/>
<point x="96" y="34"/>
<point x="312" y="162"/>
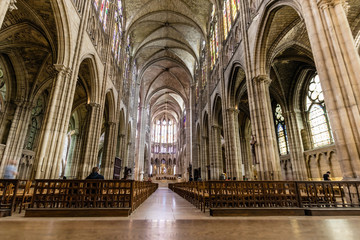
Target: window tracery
<point x="318" y="119"/>
<point x="164" y="131"/>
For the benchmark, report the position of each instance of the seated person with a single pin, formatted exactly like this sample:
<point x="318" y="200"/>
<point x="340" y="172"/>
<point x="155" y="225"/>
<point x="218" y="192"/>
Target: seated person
<point x="326" y="176"/>
<point x="95" y="174"/>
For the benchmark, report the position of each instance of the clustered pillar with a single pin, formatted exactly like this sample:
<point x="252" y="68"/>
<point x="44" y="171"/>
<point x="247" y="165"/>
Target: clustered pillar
<point x="338" y="66"/>
<point x="267" y="154"/>
<point x="233" y="143"/>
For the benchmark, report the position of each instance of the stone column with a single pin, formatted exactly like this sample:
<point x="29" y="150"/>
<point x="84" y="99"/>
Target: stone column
<point x="121" y="146"/>
<point x="197" y="162"/>
<point x="48" y="155"/>
<point x="6" y="5"/>
<point x="139" y="165"/>
<point x="262" y="121"/>
<point x="17" y="135"/>
<point x="121" y="153"/>
<point x="109" y="151"/>
<point x="204" y="158"/>
<point x="233" y="143"/>
<point x="338" y="65"/>
<point x="217" y="161"/>
<point x="246" y="158"/>
<point x="71" y="159"/>
<point x="89" y="150"/>
<point x="295" y="145"/>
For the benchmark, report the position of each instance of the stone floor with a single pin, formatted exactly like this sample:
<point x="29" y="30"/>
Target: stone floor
<point x="165" y="215"/>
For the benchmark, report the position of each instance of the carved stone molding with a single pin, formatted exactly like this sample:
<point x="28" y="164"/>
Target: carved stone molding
<point x="330" y="3"/>
<point x="262" y="79"/>
<point x="233" y="110"/>
<point x="62" y="69"/>
<point x="12" y="5"/>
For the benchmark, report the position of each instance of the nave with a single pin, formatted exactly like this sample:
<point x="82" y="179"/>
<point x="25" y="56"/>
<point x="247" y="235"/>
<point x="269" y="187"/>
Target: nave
<point x="165" y="215"/>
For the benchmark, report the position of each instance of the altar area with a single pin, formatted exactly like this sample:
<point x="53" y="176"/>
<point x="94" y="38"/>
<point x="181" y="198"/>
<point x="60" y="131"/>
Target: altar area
<point x="163" y="179"/>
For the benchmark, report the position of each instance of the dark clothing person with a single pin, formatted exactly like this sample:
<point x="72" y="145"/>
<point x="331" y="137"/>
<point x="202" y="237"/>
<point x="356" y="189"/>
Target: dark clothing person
<point x="95" y="175"/>
<point x="326" y="176"/>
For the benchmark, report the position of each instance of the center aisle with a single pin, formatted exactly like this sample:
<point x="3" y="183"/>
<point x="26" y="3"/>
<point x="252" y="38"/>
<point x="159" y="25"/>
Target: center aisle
<point x="164" y="204"/>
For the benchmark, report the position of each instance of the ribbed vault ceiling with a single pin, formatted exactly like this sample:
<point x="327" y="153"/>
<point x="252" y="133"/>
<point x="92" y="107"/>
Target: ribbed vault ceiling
<point x="166" y="38"/>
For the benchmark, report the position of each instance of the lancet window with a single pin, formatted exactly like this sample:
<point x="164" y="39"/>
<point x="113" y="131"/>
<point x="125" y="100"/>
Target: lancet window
<point x="321" y="134"/>
<point x="214" y="38"/>
<point x="281" y="131"/>
<point x="102" y="6"/>
<point x="230" y="11"/>
<point x="164" y="131"/>
<point x="116" y="45"/>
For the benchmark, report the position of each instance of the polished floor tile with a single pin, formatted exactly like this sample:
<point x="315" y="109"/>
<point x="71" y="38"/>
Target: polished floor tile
<point x="165" y="215"/>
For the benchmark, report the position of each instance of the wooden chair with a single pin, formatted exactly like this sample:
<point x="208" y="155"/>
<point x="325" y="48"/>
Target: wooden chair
<point x="27" y="196"/>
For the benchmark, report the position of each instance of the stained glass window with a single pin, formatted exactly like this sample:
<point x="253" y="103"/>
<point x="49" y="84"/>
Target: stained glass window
<point x="116" y="45"/>
<point x="157" y="135"/>
<point x="234" y="9"/>
<point x="281" y="131"/>
<point x="226" y="31"/>
<point x="165" y="134"/>
<point x="102" y="9"/>
<point x="164" y="131"/>
<point x="96" y="3"/>
<point x="171" y="132"/>
<point x="231" y="8"/>
<point x="214" y="39"/>
<point x="115" y="34"/>
<point x="106" y="14"/>
<point x="318" y="119"/>
<point x="228" y="14"/>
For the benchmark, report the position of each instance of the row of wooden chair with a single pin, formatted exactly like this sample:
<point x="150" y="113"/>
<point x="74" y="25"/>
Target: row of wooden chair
<point x="269" y="194"/>
<point x="15" y="194"/>
<point x="20" y="194"/>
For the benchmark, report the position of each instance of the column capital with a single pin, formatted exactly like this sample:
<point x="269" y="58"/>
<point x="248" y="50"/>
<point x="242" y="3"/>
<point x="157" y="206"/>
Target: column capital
<point x="111" y="124"/>
<point x="62" y="69"/>
<point x="263" y="79"/>
<point x="233" y="110"/>
<point x="214" y="126"/>
<point x="24" y="104"/>
<point x="94" y="105"/>
<point x="329" y="3"/>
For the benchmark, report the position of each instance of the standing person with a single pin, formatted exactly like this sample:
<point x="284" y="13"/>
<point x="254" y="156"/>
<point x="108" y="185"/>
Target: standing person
<point x="326" y="176"/>
<point x="95" y="174"/>
<point x="11" y="170"/>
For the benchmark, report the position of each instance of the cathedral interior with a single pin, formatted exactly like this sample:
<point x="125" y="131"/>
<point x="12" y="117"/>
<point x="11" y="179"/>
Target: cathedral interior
<point x="172" y="91"/>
